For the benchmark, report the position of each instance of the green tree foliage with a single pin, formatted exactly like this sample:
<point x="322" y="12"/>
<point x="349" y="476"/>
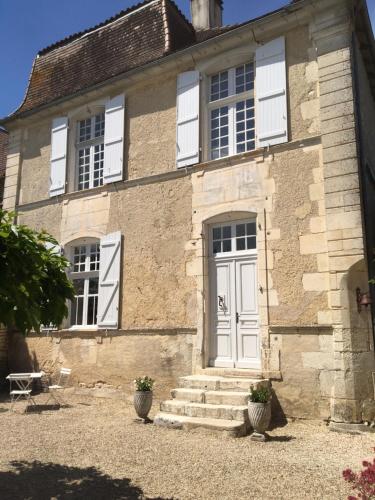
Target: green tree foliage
<point x="34" y="287"/>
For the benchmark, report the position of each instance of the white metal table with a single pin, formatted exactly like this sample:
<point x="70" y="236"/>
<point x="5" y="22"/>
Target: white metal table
<point x="23" y="383"/>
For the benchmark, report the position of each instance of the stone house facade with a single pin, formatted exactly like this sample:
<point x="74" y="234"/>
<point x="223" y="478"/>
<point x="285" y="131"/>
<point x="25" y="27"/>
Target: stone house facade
<point x="213" y="187"/>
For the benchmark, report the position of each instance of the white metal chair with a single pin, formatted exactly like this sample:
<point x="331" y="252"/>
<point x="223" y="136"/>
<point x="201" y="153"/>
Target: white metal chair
<point x="56" y="391"/>
<point x="23" y="383"/>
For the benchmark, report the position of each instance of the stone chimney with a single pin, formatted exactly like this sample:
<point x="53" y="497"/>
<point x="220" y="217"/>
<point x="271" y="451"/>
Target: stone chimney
<point x="206" y="14"/>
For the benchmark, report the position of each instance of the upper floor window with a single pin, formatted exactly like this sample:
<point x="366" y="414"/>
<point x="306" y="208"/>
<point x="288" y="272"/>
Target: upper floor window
<point x="85" y="276"/>
<point x="231" y="111"/>
<point x="90" y="152"/>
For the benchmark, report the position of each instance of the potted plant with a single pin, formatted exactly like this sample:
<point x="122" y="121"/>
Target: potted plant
<point x="143" y="396"/>
<point x="259" y="407"/>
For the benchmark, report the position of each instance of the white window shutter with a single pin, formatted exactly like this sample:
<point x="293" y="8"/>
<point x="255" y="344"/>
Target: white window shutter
<point x="271" y="94"/>
<point x="114" y="139"/>
<point x="109" y="281"/>
<point x="59" y="142"/>
<point x="54" y="248"/>
<point x="187" y="118"/>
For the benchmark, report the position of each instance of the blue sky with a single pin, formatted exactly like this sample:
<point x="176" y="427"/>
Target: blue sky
<point x="27" y="26"/>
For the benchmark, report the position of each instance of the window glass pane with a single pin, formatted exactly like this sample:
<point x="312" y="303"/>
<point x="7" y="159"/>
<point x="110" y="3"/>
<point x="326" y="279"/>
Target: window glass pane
<point x="245" y="78"/>
<point x="251" y="243"/>
<point x="227" y="245"/>
<point x="93" y="286"/>
<point x="99" y="125"/>
<point x="219" y="86"/>
<point x="241" y="244"/>
<point x="219" y="133"/>
<point x="79" y="259"/>
<point x="98" y="165"/>
<point x="245" y="126"/>
<point x="84" y="168"/>
<point x="227" y="232"/>
<point x="79" y="286"/>
<point x="77" y="304"/>
<point x="92" y="310"/>
<point x="84" y="130"/>
<point x="94" y="257"/>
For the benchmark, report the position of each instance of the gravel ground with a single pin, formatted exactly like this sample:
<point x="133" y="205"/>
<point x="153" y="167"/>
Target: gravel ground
<point x="95" y="450"/>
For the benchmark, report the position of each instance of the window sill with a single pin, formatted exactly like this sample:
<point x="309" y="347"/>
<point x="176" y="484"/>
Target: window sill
<point x="91" y="328"/>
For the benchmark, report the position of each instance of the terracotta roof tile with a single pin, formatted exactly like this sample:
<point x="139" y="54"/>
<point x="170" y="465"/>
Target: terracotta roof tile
<point x="142" y="34"/>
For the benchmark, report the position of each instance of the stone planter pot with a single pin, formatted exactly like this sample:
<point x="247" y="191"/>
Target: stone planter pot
<point x="259" y="417"/>
<point x="143" y="403"/>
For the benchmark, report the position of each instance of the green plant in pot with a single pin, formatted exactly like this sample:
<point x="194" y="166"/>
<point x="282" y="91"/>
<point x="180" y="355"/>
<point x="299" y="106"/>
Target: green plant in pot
<point x="259" y="408"/>
<point x="143" y="396"/>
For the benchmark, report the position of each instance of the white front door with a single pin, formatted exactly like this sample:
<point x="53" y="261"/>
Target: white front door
<point x="234" y="328"/>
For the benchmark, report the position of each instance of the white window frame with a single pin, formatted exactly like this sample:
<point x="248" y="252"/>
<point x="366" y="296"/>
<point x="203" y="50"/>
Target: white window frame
<point x="234" y="252"/>
<point x="85" y="275"/>
<point x="231" y="102"/>
<point x="89" y="143"/>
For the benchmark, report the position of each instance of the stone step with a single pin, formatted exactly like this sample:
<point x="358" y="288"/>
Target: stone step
<point x="200" y="410"/>
<point x="235" y="398"/>
<point x="230" y="428"/>
<point x="190" y="395"/>
<point x="212" y="383"/>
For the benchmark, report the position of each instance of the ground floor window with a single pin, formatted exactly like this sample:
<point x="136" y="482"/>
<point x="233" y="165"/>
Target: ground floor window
<point x="85" y="276"/>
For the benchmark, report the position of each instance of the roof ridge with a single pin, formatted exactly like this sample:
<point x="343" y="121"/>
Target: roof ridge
<point x="78" y="34"/>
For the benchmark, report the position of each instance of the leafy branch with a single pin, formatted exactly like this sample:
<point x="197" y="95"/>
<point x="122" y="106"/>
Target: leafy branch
<point x="34" y="287"/>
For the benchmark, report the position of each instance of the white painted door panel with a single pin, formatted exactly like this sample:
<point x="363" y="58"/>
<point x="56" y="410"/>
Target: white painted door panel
<point x="234" y="313"/>
<point x="223" y="313"/>
<point x="248" y="355"/>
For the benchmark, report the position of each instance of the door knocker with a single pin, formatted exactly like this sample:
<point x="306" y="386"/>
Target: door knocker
<point x="221" y="302"/>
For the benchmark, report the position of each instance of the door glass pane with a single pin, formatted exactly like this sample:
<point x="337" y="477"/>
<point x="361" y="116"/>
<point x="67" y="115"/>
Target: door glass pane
<point x="216" y="247"/>
<point x="216" y="233"/>
<point x="240" y="230"/>
<point x="241" y="244"/>
<point x="251" y="243"/>
<point x="227" y="232"/>
<point x="251" y="228"/>
<point x="227" y="245"/>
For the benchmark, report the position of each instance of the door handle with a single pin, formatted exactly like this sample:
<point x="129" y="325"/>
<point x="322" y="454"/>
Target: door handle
<point x="237" y="317"/>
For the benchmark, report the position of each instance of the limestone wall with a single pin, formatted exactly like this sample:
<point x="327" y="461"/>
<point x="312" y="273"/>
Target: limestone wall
<point x="307" y="368"/>
<point x="112" y="360"/>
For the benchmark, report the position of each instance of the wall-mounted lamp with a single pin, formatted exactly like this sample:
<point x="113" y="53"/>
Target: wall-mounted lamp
<point x="363" y="299"/>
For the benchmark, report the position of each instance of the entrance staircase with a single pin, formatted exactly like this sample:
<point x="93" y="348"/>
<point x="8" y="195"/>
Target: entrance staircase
<point x="213" y="404"/>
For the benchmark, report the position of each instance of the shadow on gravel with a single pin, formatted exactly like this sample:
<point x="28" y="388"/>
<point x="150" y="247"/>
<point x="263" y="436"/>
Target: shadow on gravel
<point x="43" y="481"/>
<point x="281" y="439"/>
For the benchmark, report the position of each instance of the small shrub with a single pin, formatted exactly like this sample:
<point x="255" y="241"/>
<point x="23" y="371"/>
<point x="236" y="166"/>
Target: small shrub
<point x="363" y="481"/>
<point x="261" y="395"/>
<point x="144" y="384"/>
